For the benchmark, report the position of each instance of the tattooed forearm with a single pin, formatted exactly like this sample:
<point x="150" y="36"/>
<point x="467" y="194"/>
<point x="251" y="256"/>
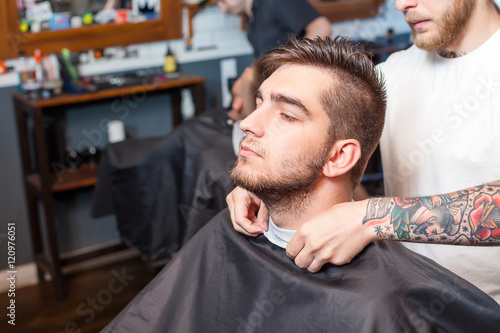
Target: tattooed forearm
<point x="467" y="217"/>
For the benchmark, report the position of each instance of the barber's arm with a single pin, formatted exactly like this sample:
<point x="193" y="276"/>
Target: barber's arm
<point x="301" y="17"/>
<point x="110" y="4"/>
<point x="467" y="217"/>
<point x="243" y="94"/>
<point x="318" y="27"/>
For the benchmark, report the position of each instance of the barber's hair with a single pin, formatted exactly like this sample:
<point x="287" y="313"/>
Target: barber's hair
<point x="354" y="99"/>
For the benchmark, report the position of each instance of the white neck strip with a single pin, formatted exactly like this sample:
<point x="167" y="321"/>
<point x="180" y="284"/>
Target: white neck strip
<point x="238" y="134"/>
<point x="278" y="236"/>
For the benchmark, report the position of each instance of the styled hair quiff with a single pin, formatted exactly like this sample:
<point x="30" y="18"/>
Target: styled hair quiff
<point x="354" y="99"/>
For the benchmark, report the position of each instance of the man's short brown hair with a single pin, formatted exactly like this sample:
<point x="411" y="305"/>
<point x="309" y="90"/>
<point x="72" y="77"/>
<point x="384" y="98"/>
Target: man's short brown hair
<point x="355" y="98"/>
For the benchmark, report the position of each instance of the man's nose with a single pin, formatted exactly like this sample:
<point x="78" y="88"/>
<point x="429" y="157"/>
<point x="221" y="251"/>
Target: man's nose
<point x="404" y="5"/>
<point x="255" y="123"/>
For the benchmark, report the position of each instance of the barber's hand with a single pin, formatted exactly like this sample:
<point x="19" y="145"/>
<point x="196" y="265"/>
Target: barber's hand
<point x="335" y="236"/>
<point x="243" y="207"/>
<point x="243" y="95"/>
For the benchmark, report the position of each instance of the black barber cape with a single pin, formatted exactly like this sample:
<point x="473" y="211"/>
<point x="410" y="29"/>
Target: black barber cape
<point x="163" y="190"/>
<point x="222" y="281"/>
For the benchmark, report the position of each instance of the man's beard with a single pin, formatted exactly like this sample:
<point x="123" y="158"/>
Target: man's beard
<point x="450" y="26"/>
<point x="286" y="191"/>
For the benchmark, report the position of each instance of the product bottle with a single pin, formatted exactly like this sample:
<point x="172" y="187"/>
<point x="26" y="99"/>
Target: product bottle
<point x="39" y="75"/>
<point x="23" y="71"/>
<point x="170" y="65"/>
<point x="3" y="68"/>
<point x="187" y="104"/>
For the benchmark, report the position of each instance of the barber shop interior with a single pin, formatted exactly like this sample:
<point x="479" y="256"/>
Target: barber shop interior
<point x="250" y="166"/>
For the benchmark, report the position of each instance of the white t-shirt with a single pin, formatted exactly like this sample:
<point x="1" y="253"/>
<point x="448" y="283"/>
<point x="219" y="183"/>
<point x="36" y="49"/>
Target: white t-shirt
<point x="442" y="134"/>
<point x="278" y="236"/>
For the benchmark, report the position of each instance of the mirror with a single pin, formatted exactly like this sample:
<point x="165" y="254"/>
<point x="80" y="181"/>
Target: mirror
<point x="78" y="8"/>
<point x="164" y="24"/>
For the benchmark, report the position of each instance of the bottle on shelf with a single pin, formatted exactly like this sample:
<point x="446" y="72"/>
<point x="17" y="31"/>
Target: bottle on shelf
<point x="28" y="83"/>
<point x="187" y="104"/>
<point x="3" y="68"/>
<point x="170" y="64"/>
<point x="22" y="70"/>
<point x="39" y="75"/>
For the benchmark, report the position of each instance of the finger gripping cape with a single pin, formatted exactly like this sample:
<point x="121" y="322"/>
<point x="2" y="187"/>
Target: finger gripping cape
<point x="222" y="281"/>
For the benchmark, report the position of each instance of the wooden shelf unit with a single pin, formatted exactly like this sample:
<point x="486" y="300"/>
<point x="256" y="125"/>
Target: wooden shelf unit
<point x="42" y="184"/>
<point x="70" y="179"/>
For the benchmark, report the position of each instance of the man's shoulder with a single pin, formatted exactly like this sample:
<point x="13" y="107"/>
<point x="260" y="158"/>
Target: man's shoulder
<point x="220" y="222"/>
<point x="217" y="229"/>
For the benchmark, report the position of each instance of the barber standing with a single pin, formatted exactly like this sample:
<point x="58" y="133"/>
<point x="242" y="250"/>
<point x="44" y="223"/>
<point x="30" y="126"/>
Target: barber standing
<point x="270" y="22"/>
<point x="440" y="153"/>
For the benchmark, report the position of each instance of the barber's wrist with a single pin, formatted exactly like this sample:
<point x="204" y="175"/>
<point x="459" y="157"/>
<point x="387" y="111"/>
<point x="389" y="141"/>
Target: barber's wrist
<point x="369" y="229"/>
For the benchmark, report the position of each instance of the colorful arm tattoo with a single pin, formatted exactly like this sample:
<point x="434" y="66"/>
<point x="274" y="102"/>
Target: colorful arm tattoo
<point x="467" y="217"/>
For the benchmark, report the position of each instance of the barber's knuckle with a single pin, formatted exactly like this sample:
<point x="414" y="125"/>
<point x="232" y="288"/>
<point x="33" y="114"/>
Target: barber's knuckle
<point x="327" y="254"/>
<point x="299" y="263"/>
<point x="300" y="233"/>
<point x="313" y="269"/>
<point x="337" y="261"/>
<point x="343" y="260"/>
<point x="316" y="247"/>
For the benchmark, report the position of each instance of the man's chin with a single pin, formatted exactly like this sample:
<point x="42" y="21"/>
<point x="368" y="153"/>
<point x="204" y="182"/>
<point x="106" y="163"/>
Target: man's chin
<point x="243" y="177"/>
<point x="425" y="41"/>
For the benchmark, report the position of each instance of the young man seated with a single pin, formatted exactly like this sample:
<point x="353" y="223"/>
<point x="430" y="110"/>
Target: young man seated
<point x="163" y="190"/>
<point x="319" y="116"/>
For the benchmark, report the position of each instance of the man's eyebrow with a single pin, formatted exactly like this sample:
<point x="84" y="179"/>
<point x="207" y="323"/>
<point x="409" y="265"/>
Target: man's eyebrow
<point x="258" y="94"/>
<point x="280" y="98"/>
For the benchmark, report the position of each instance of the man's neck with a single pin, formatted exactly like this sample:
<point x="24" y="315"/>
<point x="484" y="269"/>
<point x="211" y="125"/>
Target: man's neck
<point x="485" y="21"/>
<point x="293" y="210"/>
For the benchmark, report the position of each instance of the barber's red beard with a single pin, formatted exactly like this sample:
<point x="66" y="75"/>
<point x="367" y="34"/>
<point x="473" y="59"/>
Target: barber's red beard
<point x="450" y="26"/>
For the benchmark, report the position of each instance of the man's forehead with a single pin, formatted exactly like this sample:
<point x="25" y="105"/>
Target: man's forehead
<point x="305" y="79"/>
<point x="303" y="69"/>
<point x="298" y="84"/>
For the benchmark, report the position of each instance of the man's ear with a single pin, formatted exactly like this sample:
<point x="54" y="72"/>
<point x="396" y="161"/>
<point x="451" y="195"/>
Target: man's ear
<point x="342" y="158"/>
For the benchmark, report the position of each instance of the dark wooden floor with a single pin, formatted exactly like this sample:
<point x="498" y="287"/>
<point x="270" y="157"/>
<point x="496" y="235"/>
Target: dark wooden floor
<point x="95" y="297"/>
